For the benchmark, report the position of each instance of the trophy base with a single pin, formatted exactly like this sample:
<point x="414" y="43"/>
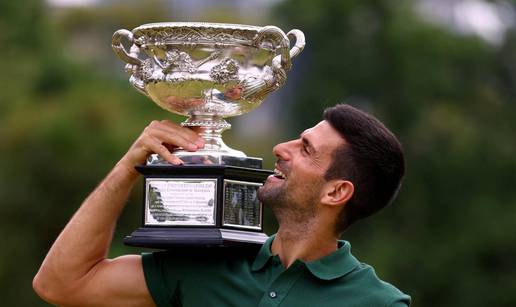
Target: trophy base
<point x="160" y="237"/>
<point x="200" y="205"/>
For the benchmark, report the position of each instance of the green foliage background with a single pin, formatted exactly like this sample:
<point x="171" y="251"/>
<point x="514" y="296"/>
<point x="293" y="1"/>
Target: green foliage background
<point x="448" y="240"/>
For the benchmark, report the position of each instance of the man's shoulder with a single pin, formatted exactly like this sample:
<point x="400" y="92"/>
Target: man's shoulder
<point x="184" y="258"/>
<point x="353" y="281"/>
<point x="374" y="290"/>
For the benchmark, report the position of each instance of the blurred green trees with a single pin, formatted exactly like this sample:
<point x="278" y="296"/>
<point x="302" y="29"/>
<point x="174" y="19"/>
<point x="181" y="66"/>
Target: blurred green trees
<point x="63" y="124"/>
<point x="449" y="238"/>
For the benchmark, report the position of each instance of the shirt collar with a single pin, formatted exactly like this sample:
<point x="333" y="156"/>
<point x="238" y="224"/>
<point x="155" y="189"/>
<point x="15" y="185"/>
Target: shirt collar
<point x="263" y="255"/>
<point x="334" y="265"/>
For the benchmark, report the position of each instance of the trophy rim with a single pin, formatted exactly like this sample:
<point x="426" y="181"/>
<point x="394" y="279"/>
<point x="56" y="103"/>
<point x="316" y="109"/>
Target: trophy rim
<point x="182" y="24"/>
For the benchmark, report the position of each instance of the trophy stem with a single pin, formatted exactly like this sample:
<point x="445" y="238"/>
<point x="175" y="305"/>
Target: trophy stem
<point x="211" y="131"/>
<point x="215" y="151"/>
<point x="212" y="127"/>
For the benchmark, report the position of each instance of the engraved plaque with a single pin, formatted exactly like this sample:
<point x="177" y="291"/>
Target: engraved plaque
<point x="181" y="202"/>
<point x="242" y="208"/>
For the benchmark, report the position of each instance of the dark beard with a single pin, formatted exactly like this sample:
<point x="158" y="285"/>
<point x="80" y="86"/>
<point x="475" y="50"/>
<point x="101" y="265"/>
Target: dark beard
<point x="285" y="207"/>
<point x="272" y="196"/>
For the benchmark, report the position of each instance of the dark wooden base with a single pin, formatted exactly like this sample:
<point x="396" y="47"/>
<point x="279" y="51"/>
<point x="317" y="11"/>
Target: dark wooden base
<point x="220" y="234"/>
<point x="168" y="237"/>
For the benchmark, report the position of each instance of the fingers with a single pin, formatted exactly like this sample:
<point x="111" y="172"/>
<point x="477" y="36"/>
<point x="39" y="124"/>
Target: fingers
<point x="161" y="137"/>
<point x="164" y="153"/>
<point x="175" y="135"/>
<point x="173" y="129"/>
<point x="197" y="130"/>
<point x="175" y="140"/>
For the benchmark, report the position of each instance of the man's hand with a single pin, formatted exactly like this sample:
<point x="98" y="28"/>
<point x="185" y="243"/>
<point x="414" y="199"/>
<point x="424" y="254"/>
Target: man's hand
<point x="161" y="137"/>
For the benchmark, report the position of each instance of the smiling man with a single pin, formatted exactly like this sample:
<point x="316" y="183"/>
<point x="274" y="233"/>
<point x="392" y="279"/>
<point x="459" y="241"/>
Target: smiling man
<point x="345" y="168"/>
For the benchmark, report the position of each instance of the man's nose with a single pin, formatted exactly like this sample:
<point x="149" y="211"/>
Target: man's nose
<point x="282" y="150"/>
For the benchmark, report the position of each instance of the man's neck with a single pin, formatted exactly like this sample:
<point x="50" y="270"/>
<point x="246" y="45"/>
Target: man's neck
<point x="291" y="245"/>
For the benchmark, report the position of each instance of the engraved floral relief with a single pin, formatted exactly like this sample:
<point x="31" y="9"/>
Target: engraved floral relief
<point x="154" y="69"/>
<point x="193" y="36"/>
<point x="225" y="71"/>
<point x="178" y="61"/>
<point x="146" y="69"/>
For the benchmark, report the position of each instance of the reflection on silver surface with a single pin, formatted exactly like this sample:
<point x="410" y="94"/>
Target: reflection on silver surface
<point x="208" y="71"/>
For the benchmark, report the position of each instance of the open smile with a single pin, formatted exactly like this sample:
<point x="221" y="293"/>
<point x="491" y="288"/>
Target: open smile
<point x="279" y="174"/>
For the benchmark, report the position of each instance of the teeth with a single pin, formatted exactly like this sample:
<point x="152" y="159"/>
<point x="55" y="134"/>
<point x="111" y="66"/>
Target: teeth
<point x="277" y="172"/>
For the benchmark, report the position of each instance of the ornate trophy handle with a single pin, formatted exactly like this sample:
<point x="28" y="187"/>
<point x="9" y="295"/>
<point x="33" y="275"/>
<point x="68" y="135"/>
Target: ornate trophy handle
<point x="131" y="58"/>
<point x="299" y="44"/>
<point x="281" y="39"/>
<point x="284" y="44"/>
<point x="119" y="49"/>
<point x="275" y="77"/>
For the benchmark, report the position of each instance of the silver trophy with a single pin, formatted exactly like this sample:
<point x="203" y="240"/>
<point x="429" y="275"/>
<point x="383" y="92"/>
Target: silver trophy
<point x="207" y="72"/>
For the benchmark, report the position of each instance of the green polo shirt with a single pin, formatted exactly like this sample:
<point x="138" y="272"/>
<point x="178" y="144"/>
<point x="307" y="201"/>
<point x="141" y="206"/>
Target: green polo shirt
<point x="232" y="277"/>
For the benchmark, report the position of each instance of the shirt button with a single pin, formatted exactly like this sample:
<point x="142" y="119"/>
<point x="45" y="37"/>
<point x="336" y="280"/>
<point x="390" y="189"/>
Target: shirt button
<point x="272" y="294"/>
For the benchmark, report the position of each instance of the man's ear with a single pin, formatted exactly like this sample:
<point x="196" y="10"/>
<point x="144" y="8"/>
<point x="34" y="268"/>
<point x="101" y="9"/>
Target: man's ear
<point x="337" y="192"/>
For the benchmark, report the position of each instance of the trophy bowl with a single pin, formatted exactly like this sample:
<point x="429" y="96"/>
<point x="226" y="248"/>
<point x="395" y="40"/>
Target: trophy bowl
<point x="207" y="72"/>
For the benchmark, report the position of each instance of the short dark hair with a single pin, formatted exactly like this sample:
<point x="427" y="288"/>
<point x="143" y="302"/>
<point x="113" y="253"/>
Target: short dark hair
<point x="371" y="158"/>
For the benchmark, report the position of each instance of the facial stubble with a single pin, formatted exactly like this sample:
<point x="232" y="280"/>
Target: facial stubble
<point x="291" y="202"/>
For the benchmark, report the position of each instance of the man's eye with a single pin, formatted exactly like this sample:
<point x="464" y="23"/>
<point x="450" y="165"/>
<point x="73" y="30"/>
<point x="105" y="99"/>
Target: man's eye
<point x="305" y="149"/>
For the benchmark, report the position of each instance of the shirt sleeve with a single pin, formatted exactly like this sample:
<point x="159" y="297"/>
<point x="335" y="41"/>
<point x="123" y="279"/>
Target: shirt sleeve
<point x="161" y="282"/>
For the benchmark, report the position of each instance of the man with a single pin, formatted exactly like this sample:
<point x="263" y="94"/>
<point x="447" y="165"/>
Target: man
<point x="345" y="168"/>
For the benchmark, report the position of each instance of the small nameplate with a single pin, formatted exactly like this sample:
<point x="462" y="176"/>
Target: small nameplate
<point x="182" y="202"/>
<point x="242" y="208"/>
